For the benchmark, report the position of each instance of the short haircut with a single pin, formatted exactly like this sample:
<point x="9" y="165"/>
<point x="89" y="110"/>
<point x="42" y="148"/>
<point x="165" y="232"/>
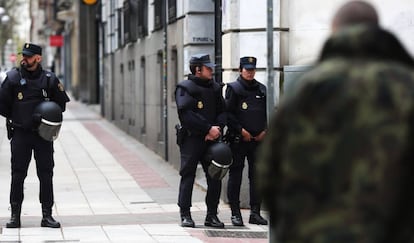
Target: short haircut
<point x="355" y="12"/>
<point x="193" y="67"/>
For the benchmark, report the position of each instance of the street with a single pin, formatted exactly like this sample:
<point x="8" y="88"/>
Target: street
<point x="110" y="188"/>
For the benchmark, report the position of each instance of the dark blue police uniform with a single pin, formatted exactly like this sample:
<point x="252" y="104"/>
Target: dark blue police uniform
<point x="200" y="106"/>
<point x="246" y="107"/>
<point x="20" y="93"/>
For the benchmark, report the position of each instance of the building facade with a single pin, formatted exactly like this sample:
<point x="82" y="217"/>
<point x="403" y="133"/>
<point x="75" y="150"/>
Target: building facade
<point x="128" y="55"/>
<point x="146" y="47"/>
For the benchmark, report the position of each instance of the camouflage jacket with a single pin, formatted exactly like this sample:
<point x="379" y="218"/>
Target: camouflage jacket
<point x="338" y="162"/>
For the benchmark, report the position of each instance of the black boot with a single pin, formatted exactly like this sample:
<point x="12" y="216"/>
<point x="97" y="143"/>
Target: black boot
<point x="15" y="216"/>
<point x="213" y="221"/>
<point x="255" y="217"/>
<point x="48" y="220"/>
<point x="186" y="220"/>
<point x="236" y="217"/>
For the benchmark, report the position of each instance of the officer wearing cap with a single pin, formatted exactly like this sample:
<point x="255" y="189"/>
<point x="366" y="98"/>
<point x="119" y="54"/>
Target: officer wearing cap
<point x="22" y="91"/>
<point x="201" y="111"/>
<point x="247" y="122"/>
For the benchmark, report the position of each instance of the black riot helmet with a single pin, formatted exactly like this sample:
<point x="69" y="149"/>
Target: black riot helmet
<point x="49" y="117"/>
<point x="219" y="158"/>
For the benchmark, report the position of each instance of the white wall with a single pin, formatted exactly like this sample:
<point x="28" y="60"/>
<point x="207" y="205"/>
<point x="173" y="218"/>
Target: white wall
<point x="398" y="17"/>
<point x="244" y="25"/>
<point x="309" y="24"/>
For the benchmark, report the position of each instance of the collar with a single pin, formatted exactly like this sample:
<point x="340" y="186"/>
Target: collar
<point x="200" y="81"/>
<point x="249" y="85"/>
<point x="31" y="74"/>
<point x="365" y="41"/>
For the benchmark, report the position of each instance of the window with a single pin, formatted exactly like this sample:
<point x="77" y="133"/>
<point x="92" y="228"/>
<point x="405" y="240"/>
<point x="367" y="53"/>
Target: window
<point x="119" y="28"/>
<point x="127" y="22"/>
<point x="172" y="10"/>
<point x="158" y="14"/>
<point x="142" y="79"/>
<point x="112" y="28"/>
<point x="122" y="83"/>
<point x="130" y="11"/>
<point x="160" y="63"/>
<point x="62" y="5"/>
<point x="142" y="9"/>
<point x="174" y="68"/>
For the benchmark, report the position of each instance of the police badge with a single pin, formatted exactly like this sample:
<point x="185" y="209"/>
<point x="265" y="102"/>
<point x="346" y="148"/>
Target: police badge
<point x="200" y="104"/>
<point x="244" y="106"/>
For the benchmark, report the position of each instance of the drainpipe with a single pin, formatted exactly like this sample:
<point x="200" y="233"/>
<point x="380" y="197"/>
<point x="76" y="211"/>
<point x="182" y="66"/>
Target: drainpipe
<point x="165" y="81"/>
<point x="270" y="65"/>
<point x="270" y="86"/>
<point x="217" y="42"/>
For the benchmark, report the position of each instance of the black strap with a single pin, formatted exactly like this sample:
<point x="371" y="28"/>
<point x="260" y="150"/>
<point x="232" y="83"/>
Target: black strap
<point x="48" y="75"/>
<point x="238" y="88"/>
<point x="190" y="87"/>
<point x="14" y="75"/>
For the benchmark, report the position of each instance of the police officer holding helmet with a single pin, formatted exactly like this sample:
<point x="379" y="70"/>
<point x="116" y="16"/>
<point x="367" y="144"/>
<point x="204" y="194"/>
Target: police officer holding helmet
<point x="24" y="91"/>
<point x="247" y="123"/>
<point x="201" y="111"/>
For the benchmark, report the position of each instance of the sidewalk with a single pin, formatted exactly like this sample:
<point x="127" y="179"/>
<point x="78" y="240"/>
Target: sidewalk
<point x="110" y="188"/>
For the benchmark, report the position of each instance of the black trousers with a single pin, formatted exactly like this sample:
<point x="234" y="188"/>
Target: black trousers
<point x="22" y="145"/>
<point x="192" y="152"/>
<point x="241" y="151"/>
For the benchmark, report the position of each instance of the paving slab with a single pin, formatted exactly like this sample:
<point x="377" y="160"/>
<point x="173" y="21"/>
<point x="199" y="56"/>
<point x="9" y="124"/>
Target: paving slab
<point x="110" y="188"/>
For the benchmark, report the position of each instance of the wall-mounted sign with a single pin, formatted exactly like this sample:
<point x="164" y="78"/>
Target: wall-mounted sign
<point x="90" y="2"/>
<point x="12" y="57"/>
<point x="202" y="40"/>
<point x="56" y="40"/>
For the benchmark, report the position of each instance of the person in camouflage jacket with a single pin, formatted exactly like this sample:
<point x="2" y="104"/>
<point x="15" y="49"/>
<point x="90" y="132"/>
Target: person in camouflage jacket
<point x="337" y="165"/>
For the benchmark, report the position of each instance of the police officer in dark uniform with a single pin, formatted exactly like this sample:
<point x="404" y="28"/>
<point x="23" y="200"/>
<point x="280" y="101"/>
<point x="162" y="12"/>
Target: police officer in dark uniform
<point x="201" y="110"/>
<point x="247" y="122"/>
<point x="21" y="92"/>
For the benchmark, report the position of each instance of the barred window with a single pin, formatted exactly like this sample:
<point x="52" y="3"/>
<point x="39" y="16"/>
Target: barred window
<point x="159" y="16"/>
<point x="172" y="10"/>
<point x="142" y="9"/>
<point x="130" y="11"/>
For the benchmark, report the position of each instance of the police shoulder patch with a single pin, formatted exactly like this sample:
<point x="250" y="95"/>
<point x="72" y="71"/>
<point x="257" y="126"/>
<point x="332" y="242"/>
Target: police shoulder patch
<point x="60" y="87"/>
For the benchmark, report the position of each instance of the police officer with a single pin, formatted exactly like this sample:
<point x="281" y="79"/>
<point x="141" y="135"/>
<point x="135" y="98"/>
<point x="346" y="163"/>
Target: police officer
<point x="247" y="122"/>
<point x="21" y="92"/>
<point x="201" y="111"/>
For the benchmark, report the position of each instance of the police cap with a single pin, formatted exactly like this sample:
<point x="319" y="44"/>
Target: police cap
<point x="203" y="59"/>
<point x="248" y="62"/>
<point x="30" y="49"/>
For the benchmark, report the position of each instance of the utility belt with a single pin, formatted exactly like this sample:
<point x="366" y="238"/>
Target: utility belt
<point x="12" y="127"/>
<point x="181" y="133"/>
<point x="231" y="137"/>
<point x="234" y="137"/>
